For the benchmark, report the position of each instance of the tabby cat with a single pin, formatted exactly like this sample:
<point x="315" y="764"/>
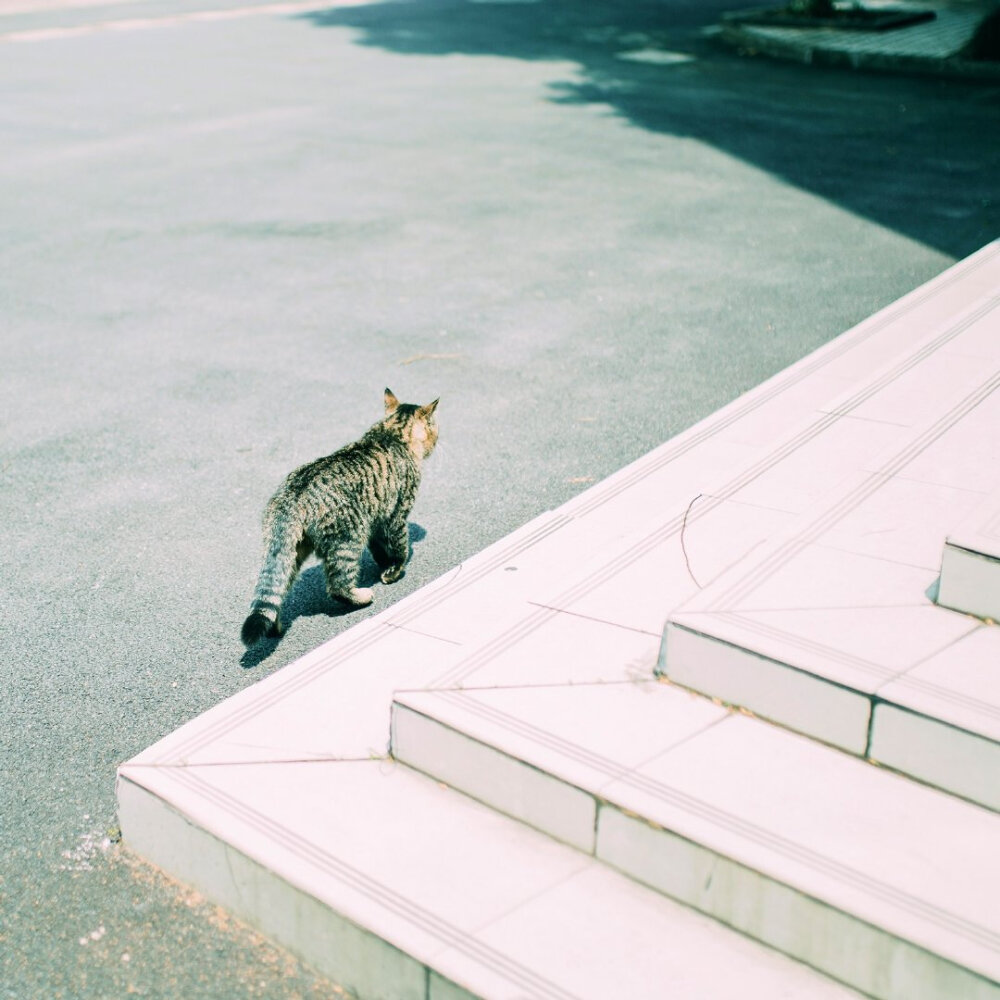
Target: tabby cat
<point x="335" y="506"/>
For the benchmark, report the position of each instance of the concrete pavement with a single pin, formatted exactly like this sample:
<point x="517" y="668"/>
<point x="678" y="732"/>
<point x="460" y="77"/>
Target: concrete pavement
<point x="224" y="237"/>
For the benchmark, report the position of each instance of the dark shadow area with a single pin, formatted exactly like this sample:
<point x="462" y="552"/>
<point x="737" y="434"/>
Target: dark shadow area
<point x="917" y="155"/>
<point x="308" y="597"/>
<point x="985" y="43"/>
<point x="258" y="653"/>
<point x="854" y="18"/>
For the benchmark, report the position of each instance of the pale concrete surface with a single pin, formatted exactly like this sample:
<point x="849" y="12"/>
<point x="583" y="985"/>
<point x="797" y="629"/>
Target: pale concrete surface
<point x="795" y="845"/>
<point x="222" y="239"/>
<point x="420" y="893"/>
<point x="838" y="608"/>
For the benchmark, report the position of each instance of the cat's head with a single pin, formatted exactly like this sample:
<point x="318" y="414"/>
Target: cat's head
<point x="416" y="425"/>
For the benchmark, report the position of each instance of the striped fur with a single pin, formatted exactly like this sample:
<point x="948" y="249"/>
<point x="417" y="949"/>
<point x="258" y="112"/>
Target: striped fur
<point x="358" y="497"/>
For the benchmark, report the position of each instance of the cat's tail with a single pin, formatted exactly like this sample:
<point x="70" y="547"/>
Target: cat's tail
<point x="256" y="627"/>
<point x="281" y="563"/>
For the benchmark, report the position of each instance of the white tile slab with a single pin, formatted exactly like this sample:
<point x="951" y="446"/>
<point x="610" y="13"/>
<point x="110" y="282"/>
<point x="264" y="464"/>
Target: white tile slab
<point x="553" y="647"/>
<point x="826" y="938"/>
<point x="817" y="462"/>
<point x="940" y="327"/>
<point x="621" y="555"/>
<point x="970" y="583"/>
<point x="795" y="573"/>
<point x="956" y="760"/>
<point x="857" y="501"/>
<point x="669" y="477"/>
<point x="979" y="531"/>
<point x="392" y="885"/>
<point x="862" y="648"/>
<point x="484" y="607"/>
<point x="858" y="838"/>
<point x="367" y="838"/>
<point x="760" y="905"/>
<point x="858" y="647"/>
<point x="161" y="821"/>
<point x="934" y="380"/>
<point x="651" y="948"/>
<point x="979" y="338"/>
<point x="201" y="733"/>
<point x="398" y="842"/>
<point x="620" y="725"/>
<point x="343" y="712"/>
<point x="966" y="455"/>
<point x="541" y="754"/>
<point x="844" y="593"/>
<point x="794" y="698"/>
<point x="634" y="590"/>
<point x="768" y="422"/>
<point x="577" y="548"/>
<point x="501" y="781"/>
<point x="906" y="521"/>
<point x="491" y="561"/>
<point x="959" y="685"/>
<point x="615" y="558"/>
<point x="665" y="564"/>
<point x="718" y="535"/>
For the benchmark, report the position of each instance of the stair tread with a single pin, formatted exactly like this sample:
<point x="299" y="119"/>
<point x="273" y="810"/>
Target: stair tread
<point x="845" y="592"/>
<point x="485" y="902"/>
<point x="892" y="852"/>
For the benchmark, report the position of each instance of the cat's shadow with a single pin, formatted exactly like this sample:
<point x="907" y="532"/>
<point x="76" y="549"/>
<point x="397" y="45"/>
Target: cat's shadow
<point x="308" y="598"/>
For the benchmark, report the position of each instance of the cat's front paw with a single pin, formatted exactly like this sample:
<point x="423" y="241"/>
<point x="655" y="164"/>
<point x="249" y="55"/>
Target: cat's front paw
<point x="393" y="573"/>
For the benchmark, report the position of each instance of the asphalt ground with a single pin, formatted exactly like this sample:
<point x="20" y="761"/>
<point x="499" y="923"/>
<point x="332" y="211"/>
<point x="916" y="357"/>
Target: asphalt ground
<point x="222" y="238"/>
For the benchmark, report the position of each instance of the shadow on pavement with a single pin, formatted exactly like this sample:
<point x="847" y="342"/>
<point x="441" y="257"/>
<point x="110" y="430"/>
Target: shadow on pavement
<point x="308" y="598"/>
<point x="916" y="155"/>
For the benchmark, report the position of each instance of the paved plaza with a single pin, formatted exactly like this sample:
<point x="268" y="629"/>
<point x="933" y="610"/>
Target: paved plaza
<point x="227" y="230"/>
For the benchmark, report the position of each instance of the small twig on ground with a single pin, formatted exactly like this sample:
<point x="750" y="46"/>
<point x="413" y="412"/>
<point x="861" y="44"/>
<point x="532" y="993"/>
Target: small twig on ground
<point x="429" y="357"/>
<point x="687" y="562"/>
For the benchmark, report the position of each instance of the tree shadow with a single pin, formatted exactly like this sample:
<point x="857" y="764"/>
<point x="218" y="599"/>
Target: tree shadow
<point x="308" y="598"/>
<point x="916" y="155"/>
<point x="546" y="29"/>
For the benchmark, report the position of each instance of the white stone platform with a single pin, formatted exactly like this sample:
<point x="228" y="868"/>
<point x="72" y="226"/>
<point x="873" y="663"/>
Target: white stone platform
<point x="793" y="540"/>
<point x="830" y="627"/>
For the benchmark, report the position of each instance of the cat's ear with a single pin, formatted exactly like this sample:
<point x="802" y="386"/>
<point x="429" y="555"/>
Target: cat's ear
<point x="391" y="403"/>
<point x="426" y="411"/>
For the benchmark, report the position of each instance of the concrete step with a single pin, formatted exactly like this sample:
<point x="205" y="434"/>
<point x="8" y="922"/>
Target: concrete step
<point x="970" y="566"/>
<point x="882" y="883"/>
<point x="280" y="802"/>
<point x="830" y="626"/>
<point x="401" y="889"/>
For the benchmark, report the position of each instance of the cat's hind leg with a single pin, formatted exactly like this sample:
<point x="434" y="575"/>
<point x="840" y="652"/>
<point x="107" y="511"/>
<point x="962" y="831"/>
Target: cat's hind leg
<point x="342" y="564"/>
